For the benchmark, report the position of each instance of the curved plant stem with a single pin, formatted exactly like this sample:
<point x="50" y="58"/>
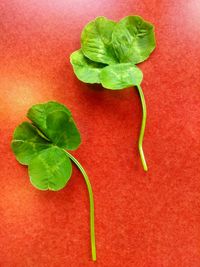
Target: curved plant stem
<point x="89" y="187"/>
<point x="144" y="117"/>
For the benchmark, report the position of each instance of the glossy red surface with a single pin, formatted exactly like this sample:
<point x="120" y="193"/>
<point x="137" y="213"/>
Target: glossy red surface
<point x="142" y="219"/>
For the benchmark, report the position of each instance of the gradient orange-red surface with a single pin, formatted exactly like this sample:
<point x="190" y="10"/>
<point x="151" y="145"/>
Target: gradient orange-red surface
<point x="142" y="219"/>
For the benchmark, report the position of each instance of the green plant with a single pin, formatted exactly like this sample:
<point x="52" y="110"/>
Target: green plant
<point x="108" y="54"/>
<point x="42" y="146"/>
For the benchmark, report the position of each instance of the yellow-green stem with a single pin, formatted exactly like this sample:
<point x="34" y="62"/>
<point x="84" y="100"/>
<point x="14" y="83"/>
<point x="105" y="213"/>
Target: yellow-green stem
<point x="89" y="187"/>
<point x="142" y="130"/>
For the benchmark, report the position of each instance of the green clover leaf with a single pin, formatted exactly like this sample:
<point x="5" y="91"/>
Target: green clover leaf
<point x="85" y="69"/>
<point x="108" y="54"/>
<point x="133" y="39"/>
<point x="120" y="76"/>
<point x="42" y="146"/>
<point x="52" y="117"/>
<point x="50" y="169"/>
<point x="96" y="41"/>
<point x="27" y="143"/>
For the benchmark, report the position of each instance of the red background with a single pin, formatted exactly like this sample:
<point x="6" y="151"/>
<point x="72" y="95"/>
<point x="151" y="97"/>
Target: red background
<point x="142" y="219"/>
